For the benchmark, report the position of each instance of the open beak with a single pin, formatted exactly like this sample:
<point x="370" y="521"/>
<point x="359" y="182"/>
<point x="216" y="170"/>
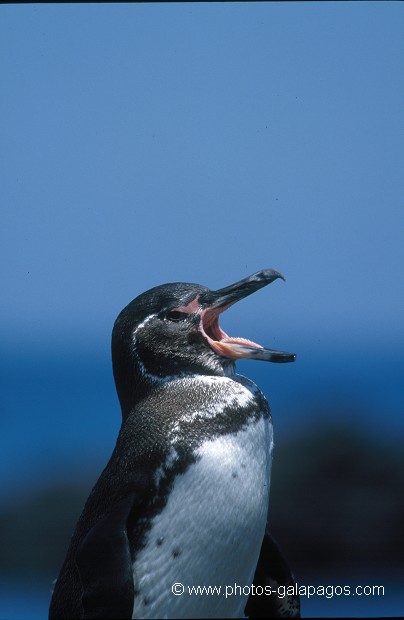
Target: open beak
<point x="213" y="303"/>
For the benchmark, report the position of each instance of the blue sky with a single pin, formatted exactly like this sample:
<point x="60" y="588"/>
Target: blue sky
<point x="142" y="144"/>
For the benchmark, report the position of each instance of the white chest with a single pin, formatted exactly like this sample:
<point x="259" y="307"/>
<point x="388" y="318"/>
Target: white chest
<point x="210" y="531"/>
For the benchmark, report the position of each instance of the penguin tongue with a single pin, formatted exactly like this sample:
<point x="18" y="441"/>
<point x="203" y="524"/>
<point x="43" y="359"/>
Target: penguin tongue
<point x="237" y="348"/>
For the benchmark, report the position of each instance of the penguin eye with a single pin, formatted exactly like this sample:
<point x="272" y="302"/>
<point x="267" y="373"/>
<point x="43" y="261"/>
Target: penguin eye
<point x="176" y="315"/>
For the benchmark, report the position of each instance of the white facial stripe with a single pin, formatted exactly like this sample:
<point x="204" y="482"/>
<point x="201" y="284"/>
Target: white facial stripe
<point x="142" y="368"/>
<point x="205" y="357"/>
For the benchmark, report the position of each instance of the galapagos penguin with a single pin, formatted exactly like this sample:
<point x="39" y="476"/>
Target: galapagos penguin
<point x="183" y="501"/>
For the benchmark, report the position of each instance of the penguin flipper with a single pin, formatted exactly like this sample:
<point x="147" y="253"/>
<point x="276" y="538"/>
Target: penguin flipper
<point x="273" y="571"/>
<point x="104" y="564"/>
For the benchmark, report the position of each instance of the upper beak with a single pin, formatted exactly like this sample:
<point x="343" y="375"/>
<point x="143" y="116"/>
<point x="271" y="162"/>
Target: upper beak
<point x="228" y="295"/>
<point x="215" y="302"/>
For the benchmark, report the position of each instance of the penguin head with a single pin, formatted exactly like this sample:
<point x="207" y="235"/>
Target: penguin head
<point x="173" y="330"/>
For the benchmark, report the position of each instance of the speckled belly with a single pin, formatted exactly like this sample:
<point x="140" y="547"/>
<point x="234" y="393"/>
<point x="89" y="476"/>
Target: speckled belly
<point x="210" y="531"/>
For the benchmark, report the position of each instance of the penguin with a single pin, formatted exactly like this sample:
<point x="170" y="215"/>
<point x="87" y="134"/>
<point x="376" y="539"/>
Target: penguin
<point x="176" y="525"/>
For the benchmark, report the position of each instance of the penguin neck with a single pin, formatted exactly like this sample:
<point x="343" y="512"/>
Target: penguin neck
<point x="134" y="383"/>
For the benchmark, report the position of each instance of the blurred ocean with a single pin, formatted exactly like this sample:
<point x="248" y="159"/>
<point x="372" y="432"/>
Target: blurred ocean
<point x="61" y="407"/>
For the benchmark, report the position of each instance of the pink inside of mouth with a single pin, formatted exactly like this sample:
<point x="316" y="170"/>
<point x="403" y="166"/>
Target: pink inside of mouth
<point x="218" y="340"/>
